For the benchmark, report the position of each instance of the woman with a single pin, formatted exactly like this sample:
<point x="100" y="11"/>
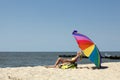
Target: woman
<point x="61" y="61"/>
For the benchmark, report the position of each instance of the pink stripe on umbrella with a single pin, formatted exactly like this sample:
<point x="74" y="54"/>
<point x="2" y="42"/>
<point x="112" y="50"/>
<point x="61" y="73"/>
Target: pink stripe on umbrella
<point x="82" y="38"/>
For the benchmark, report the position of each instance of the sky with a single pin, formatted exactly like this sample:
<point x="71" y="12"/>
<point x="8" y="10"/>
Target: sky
<point x="47" y="25"/>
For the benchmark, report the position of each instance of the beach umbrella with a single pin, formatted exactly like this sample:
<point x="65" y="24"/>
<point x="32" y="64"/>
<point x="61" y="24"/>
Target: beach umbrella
<point x="88" y="47"/>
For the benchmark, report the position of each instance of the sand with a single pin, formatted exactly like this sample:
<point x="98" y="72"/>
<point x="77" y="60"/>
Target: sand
<point x="109" y="71"/>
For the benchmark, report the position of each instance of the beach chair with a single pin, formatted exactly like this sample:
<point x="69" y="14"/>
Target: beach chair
<point x="68" y="66"/>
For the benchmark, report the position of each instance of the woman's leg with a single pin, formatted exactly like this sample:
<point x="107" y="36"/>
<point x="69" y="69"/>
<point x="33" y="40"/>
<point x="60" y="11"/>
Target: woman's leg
<point x="61" y="60"/>
<point x="58" y="61"/>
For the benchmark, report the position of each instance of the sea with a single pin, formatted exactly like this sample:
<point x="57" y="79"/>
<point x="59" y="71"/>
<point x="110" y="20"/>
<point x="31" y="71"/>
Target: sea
<point x="25" y="59"/>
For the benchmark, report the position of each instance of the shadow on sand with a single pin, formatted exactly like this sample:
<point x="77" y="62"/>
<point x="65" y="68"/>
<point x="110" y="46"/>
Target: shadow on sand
<point x="86" y="67"/>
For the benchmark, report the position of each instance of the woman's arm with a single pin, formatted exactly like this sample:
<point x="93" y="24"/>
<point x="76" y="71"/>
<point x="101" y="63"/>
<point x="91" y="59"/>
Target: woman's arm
<point x="74" y="59"/>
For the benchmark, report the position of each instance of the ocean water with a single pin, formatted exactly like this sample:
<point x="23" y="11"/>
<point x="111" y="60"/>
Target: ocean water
<point x="23" y="59"/>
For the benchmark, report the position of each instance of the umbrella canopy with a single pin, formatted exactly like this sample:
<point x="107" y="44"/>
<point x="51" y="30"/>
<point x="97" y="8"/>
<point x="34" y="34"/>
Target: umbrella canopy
<point x="88" y="47"/>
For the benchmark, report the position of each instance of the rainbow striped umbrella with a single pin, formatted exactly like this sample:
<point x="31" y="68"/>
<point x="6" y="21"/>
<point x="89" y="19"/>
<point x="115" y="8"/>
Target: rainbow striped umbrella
<point x="88" y="47"/>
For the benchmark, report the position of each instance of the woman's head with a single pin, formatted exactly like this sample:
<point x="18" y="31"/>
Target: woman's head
<point x="79" y="53"/>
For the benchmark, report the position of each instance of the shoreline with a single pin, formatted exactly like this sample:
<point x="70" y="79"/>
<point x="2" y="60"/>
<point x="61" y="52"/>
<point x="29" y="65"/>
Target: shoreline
<point x="84" y="72"/>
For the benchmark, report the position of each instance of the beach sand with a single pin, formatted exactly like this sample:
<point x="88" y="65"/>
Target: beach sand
<point x="109" y="71"/>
